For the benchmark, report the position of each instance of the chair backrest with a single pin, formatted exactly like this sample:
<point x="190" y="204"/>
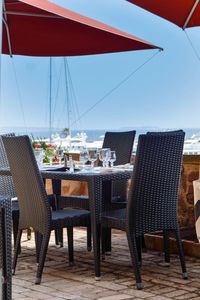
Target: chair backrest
<point x="33" y="204"/>
<point x="6" y="182"/>
<point x="165" y="132"/>
<point x="121" y="143"/>
<point x="153" y="195"/>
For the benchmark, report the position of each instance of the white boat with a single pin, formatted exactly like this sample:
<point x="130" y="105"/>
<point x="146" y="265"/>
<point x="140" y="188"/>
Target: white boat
<point x="75" y="143"/>
<point x="70" y="142"/>
<point x="192" y="145"/>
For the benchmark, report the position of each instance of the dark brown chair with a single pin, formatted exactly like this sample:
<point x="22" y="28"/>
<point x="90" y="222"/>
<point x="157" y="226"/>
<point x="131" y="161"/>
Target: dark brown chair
<point x="7" y="187"/>
<point x="153" y="196"/>
<point x="122" y="143"/>
<point x="165" y="233"/>
<point x="34" y="207"/>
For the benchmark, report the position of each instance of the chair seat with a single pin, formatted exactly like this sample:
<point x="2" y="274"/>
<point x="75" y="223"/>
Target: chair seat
<point x="70" y="217"/>
<point x="114" y="218"/>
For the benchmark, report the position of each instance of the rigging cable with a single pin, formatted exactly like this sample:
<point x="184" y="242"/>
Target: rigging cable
<point x="19" y="94"/>
<point x="46" y="118"/>
<point x="66" y="103"/>
<point x="57" y="92"/>
<point x="192" y="45"/>
<point x="72" y="107"/>
<point x="74" y="103"/>
<point x="67" y="95"/>
<point x="115" y="87"/>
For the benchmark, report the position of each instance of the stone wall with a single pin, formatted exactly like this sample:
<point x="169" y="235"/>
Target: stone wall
<point x="190" y="172"/>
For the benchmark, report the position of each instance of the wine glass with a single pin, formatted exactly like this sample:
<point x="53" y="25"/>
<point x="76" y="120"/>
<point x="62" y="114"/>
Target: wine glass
<point x="92" y="156"/>
<point x="112" y="158"/>
<point x="59" y="154"/>
<point x="84" y="155"/>
<point x="39" y="155"/>
<point x="104" y="154"/>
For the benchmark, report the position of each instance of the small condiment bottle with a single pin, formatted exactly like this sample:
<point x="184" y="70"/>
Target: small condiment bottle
<point x="71" y="164"/>
<point x="65" y="160"/>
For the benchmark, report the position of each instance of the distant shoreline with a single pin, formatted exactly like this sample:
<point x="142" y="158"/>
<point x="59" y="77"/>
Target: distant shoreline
<point x="92" y="134"/>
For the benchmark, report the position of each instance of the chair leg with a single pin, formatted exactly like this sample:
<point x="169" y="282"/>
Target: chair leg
<point x="59" y="237"/>
<point x="103" y="242"/>
<point x="134" y="257"/>
<point x="181" y="253"/>
<point x="38" y="242"/>
<point x="15" y="228"/>
<point x="70" y="245"/>
<point x="106" y="238"/>
<point x="15" y="231"/>
<point x="55" y="205"/>
<point x="16" y="251"/>
<point x="139" y="249"/>
<point x="42" y="256"/>
<point x="89" y="238"/>
<point x="166" y="245"/>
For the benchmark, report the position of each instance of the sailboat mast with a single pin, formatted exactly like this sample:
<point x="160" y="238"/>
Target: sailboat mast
<point x="50" y="99"/>
<point x="67" y="96"/>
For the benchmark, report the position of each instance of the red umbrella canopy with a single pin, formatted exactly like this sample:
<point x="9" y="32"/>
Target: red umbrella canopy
<point x="41" y="28"/>
<point x="184" y="13"/>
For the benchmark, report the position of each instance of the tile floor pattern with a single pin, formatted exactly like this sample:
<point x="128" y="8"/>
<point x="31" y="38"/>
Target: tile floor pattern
<point x="61" y="281"/>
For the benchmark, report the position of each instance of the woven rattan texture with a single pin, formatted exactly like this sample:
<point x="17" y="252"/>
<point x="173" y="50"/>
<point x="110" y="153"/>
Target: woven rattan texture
<point x="122" y="144"/>
<point x="153" y="195"/>
<point x="34" y="207"/>
<point x="33" y="203"/>
<point x="6" y="182"/>
<point x="6" y="256"/>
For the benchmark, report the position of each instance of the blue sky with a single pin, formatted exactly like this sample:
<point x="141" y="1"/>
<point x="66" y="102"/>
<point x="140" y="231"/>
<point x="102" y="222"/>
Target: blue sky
<point x="164" y="93"/>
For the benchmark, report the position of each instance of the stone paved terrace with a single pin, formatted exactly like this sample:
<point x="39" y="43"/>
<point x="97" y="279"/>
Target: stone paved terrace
<point x="63" y="282"/>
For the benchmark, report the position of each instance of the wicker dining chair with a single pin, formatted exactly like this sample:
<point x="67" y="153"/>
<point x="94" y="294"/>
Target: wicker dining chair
<point x="153" y="195"/>
<point x="34" y="207"/>
<point x="166" y="243"/>
<point x="7" y="187"/>
<point x="122" y="143"/>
